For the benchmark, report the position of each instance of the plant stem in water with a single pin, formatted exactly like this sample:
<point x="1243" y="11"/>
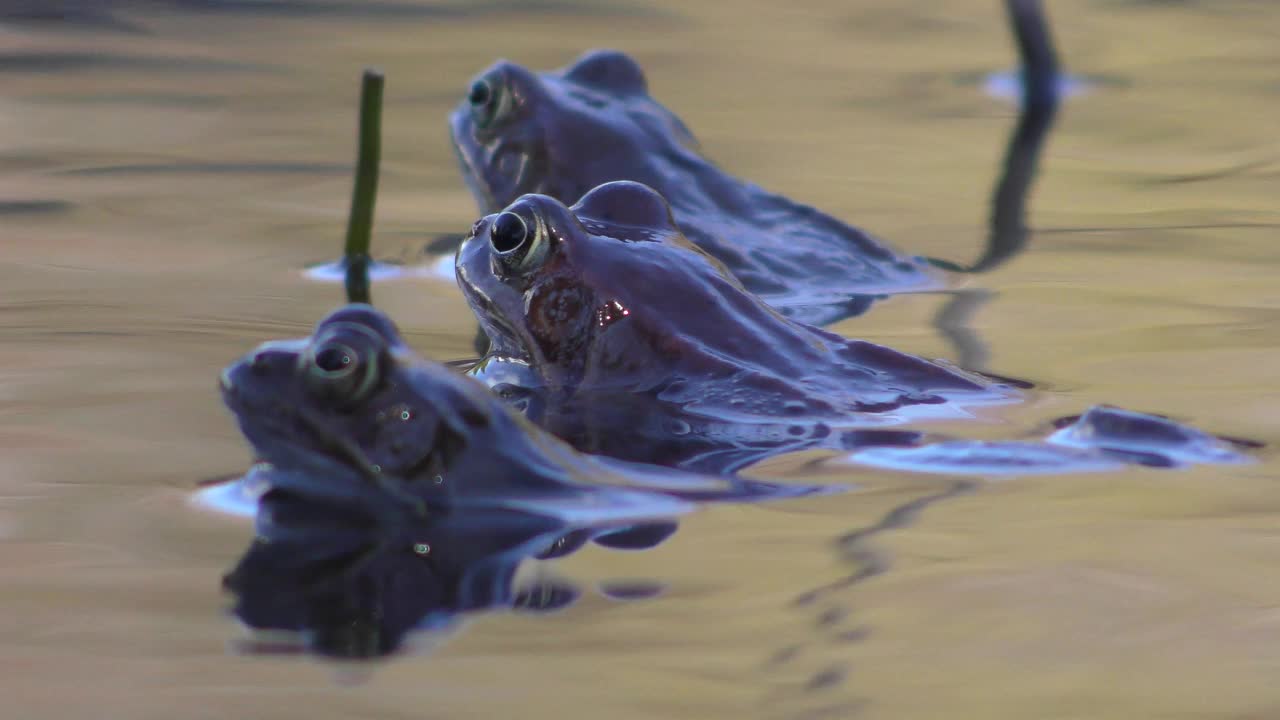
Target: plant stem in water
<point x="363" y="195"/>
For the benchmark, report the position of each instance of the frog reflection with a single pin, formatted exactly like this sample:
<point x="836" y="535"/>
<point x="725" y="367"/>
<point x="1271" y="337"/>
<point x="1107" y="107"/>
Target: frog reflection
<point x="563" y="133"/>
<point x="608" y="327"/>
<point x="360" y="594"/>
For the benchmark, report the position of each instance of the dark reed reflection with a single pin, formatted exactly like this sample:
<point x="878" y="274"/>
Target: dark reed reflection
<point x="1007" y="235"/>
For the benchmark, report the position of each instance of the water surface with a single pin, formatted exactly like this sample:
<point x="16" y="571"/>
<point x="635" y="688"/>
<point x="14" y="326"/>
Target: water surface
<point x="168" y="169"/>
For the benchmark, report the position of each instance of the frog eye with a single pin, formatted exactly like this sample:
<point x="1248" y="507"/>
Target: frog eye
<point x="339" y="372"/>
<point x="490" y="100"/>
<point x="519" y="244"/>
<point x="508" y="232"/>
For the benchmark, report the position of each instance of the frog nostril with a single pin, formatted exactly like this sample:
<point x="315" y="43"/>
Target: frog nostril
<point x="259" y="363"/>
<point x="508" y="232"/>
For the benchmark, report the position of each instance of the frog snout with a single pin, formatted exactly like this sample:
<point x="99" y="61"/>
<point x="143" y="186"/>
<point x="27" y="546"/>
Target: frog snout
<point x="232" y="381"/>
<point x="276" y="359"/>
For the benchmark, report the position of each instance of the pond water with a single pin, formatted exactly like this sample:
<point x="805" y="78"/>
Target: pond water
<point x="167" y="169"/>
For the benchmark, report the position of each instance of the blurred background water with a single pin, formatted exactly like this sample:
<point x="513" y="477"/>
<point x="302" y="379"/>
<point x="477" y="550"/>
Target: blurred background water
<point x="167" y="169"/>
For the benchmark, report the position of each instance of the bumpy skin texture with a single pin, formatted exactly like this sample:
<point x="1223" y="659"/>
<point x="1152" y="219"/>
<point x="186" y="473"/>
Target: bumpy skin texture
<point x="565" y="132"/>
<point x="352" y="416"/>
<point x="609" y="328"/>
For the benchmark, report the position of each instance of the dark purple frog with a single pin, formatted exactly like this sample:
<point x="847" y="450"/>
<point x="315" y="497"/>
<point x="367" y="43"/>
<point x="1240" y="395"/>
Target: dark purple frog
<point x="562" y="133"/>
<point x="612" y="330"/>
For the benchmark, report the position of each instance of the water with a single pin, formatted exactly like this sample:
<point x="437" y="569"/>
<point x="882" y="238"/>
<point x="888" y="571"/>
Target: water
<point x="168" y="170"/>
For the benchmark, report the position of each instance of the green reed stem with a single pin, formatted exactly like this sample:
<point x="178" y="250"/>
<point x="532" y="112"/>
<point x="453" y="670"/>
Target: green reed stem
<point x="363" y="195"/>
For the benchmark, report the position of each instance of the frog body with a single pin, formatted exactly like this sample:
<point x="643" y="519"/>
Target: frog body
<point x="565" y="132"/>
<point x="604" y="316"/>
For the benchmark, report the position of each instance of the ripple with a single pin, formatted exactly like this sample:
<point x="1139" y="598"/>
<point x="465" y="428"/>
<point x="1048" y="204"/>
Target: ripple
<point x="336" y="272"/>
<point x="1146" y="439"/>
<point x="1007" y="85"/>
<point x="1103" y="438"/>
<point x="988" y="458"/>
<point x="443" y="269"/>
<point x="214" y="168"/>
<point x="237" y="497"/>
<point x="630" y="590"/>
<point x="65" y="61"/>
<point x="34" y="207"/>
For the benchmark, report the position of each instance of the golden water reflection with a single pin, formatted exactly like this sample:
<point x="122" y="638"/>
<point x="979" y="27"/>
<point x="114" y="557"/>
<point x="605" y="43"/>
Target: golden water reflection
<point x="183" y="175"/>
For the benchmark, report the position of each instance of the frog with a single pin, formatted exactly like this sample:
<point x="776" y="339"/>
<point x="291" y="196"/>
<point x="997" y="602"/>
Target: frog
<point x="614" y="331"/>
<point x="564" y="132"/>
<point x="352" y="417"/>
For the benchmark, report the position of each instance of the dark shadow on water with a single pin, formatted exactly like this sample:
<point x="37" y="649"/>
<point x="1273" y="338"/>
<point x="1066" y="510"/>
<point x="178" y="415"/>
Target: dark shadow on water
<point x="129" y="16"/>
<point x="211" y="168"/>
<point x="34" y="207"/>
<point x="343" y="588"/>
<point x="71" y="61"/>
<point x="149" y="99"/>
<point x="443" y="243"/>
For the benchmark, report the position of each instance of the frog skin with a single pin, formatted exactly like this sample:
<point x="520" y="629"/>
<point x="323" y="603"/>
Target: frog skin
<point x="352" y="417"/>
<point x="610" y="329"/>
<point x="565" y="132"/>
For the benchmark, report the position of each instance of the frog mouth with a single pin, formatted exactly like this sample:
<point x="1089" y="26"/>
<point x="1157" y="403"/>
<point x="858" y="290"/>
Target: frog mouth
<point x="505" y="338"/>
<point x="475" y="181"/>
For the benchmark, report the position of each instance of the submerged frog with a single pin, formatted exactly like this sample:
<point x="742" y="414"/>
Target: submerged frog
<point x="351" y="417"/>
<point x="563" y="133"/>
<point x="612" y="330"/>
